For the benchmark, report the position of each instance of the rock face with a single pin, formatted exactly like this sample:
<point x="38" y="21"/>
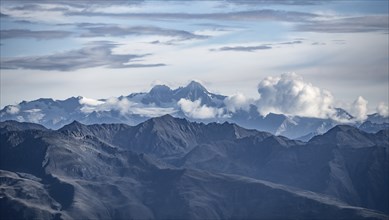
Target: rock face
<point x="170" y="168"/>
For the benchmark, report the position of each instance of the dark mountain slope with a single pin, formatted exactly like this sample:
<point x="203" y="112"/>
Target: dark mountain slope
<point x="163" y="136"/>
<point x="20" y="126"/>
<point x="56" y="174"/>
<point x="92" y="172"/>
<point x="345" y="163"/>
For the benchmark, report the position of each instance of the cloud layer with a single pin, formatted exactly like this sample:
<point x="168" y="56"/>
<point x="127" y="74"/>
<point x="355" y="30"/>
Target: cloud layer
<point x="114" y="30"/>
<point x="123" y="106"/>
<point x="25" y="33"/>
<point x="92" y="55"/>
<point x="348" y="25"/>
<point x="245" y="48"/>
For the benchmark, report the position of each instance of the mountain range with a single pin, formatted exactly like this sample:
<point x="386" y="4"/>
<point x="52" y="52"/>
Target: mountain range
<point x="193" y="102"/>
<point x="172" y="168"/>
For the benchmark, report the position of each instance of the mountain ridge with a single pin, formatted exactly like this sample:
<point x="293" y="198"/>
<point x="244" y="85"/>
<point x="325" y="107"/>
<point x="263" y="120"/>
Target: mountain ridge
<point x="193" y="102"/>
<point x="140" y="184"/>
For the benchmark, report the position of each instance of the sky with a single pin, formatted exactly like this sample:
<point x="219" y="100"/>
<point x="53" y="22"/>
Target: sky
<point x="100" y="49"/>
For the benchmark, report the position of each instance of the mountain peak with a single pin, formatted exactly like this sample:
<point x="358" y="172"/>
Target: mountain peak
<point x="343" y="114"/>
<point x="194" y="85"/>
<point x="345" y="128"/>
<point x="160" y="88"/>
<point x="195" y="91"/>
<point x="167" y="119"/>
<point x="12" y="125"/>
<point x="345" y="135"/>
<point x="74" y="126"/>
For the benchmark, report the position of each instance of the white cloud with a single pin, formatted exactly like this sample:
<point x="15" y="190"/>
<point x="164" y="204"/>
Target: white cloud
<point x="13" y="109"/>
<point x="121" y="105"/>
<point x="198" y="111"/>
<point x="289" y="94"/>
<point x="152" y="111"/>
<point x="382" y="109"/>
<point x="236" y="102"/>
<point x="359" y="109"/>
<point x="34" y="115"/>
<point x="124" y="106"/>
<point x="90" y="102"/>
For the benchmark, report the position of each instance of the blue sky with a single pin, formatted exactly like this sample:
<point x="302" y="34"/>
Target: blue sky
<point x="59" y="49"/>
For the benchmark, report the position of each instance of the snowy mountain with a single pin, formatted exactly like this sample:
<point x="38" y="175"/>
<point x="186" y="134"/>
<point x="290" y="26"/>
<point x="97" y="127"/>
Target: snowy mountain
<point x="170" y="168"/>
<point x="193" y="102"/>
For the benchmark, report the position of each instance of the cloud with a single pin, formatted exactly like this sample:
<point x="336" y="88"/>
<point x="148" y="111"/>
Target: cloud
<point x="12" y="109"/>
<point x="348" y="25"/>
<point x="91" y="105"/>
<point x="236" y="102"/>
<point x="254" y="48"/>
<point x="153" y="111"/>
<point x="198" y="111"/>
<point x="289" y="94"/>
<point x="382" y="109"/>
<point x="123" y="106"/>
<point x="113" y="30"/>
<point x="90" y="102"/>
<point x="34" y="115"/>
<point x="254" y="15"/>
<point x="293" y="42"/>
<point x="359" y="109"/>
<point x="25" y="33"/>
<point x="92" y="55"/>
<point x="278" y="2"/>
<point x="3" y="15"/>
<point x="244" y="49"/>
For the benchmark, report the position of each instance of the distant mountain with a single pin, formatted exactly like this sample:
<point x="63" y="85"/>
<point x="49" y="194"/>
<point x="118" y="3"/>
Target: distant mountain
<point x="116" y="171"/>
<point x="372" y="127"/>
<point x="160" y="100"/>
<point x="162" y="95"/>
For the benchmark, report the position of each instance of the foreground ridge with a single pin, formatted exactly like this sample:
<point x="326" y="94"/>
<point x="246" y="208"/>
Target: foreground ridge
<point x="168" y="167"/>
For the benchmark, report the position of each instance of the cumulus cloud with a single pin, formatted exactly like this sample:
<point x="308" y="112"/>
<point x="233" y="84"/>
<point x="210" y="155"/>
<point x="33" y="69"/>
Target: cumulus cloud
<point x="198" y="111"/>
<point x="289" y="94"/>
<point x="92" y="55"/>
<point x="382" y="109"/>
<point x="236" y="102"/>
<point x="359" y="109"/>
